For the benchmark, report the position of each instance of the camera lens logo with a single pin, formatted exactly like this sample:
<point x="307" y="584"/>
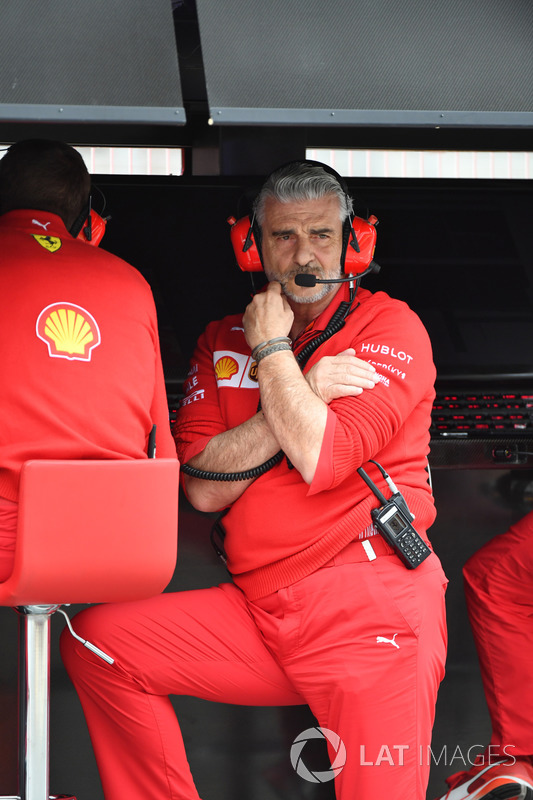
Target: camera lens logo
<point x="336" y="743"/>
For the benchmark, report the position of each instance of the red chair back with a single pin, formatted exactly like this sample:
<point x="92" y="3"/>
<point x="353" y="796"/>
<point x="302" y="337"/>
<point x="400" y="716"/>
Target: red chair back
<point x="94" y="531"/>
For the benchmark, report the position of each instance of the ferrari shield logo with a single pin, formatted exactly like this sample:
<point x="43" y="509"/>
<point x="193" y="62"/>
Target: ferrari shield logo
<point x="51" y="243"/>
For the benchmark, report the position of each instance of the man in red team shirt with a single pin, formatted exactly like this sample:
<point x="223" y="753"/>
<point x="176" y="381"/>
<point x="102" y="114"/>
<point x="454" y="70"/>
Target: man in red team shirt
<point x="79" y="353"/>
<point x="321" y="609"/>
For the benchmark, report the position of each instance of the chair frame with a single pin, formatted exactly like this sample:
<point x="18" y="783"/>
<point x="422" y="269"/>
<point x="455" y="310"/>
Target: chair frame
<point x="53" y="494"/>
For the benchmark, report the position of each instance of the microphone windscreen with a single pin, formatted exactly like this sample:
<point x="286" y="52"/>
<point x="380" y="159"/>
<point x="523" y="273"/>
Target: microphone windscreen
<point x="302" y="279"/>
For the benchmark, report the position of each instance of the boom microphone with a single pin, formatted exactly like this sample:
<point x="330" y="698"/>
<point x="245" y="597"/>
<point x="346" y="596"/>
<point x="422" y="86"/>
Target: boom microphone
<point x="304" y="279"/>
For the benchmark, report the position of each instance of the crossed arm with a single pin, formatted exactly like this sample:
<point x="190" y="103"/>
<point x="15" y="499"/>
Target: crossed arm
<point x="294" y="408"/>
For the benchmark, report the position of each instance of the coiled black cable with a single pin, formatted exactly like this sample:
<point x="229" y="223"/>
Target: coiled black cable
<point x="335" y="324"/>
<point x="246" y="475"/>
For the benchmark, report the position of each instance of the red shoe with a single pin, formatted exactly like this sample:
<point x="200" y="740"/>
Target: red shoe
<point x="502" y="780"/>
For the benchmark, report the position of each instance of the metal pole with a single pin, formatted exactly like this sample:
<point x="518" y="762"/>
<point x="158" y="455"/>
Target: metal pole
<point x="34" y="701"/>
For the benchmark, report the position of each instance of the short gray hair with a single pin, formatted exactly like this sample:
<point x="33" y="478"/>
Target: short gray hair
<point x="300" y="181"/>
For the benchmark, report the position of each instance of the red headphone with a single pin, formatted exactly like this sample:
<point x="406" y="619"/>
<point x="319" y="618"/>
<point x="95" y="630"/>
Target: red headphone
<point x="359" y="253"/>
<point x="89" y="227"/>
<point x="93" y="230"/>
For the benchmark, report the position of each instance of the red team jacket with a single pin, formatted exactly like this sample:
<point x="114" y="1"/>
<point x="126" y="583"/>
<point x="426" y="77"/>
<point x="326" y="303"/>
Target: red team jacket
<point x="79" y="352"/>
<point x="282" y="529"/>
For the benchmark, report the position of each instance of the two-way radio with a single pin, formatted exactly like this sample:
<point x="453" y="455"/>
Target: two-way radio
<point x="393" y="519"/>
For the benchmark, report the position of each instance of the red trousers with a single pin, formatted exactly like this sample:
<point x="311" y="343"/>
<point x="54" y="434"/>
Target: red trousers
<point x="499" y="594"/>
<point x="362" y="643"/>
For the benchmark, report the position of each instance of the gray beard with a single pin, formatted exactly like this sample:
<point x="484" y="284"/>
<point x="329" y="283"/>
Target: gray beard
<point x="322" y="290"/>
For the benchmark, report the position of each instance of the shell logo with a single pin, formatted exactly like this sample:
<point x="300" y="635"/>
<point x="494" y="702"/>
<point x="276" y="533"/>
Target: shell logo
<point x="69" y="331"/>
<point x="225" y="368"/>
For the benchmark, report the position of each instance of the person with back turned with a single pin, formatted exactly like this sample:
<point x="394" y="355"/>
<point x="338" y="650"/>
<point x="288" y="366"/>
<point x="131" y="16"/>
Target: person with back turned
<point x="315" y="382"/>
<point x="79" y="350"/>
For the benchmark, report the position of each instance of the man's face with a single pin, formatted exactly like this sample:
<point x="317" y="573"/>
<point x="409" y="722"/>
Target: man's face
<point x="302" y="237"/>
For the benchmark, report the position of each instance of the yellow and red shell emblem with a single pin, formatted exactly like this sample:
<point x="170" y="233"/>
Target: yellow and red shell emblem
<point x="68" y="331"/>
<point x="225" y="368"/>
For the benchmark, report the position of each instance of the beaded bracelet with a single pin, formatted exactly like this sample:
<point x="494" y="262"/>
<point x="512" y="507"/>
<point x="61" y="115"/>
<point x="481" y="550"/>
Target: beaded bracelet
<point x="261" y="345"/>
<point x="273" y="348"/>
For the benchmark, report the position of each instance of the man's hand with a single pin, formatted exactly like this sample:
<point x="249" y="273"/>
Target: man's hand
<point x="267" y="316"/>
<point x="343" y="375"/>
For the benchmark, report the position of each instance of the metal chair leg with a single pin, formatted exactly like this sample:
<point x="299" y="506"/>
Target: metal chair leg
<point x="34" y="701"/>
<point x="34" y="624"/>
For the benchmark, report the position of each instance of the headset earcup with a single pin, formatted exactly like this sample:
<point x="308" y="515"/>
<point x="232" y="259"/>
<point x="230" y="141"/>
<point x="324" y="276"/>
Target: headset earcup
<point x="97" y="229"/>
<point x="244" y="246"/>
<point x="365" y="232"/>
<point x="98" y="225"/>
